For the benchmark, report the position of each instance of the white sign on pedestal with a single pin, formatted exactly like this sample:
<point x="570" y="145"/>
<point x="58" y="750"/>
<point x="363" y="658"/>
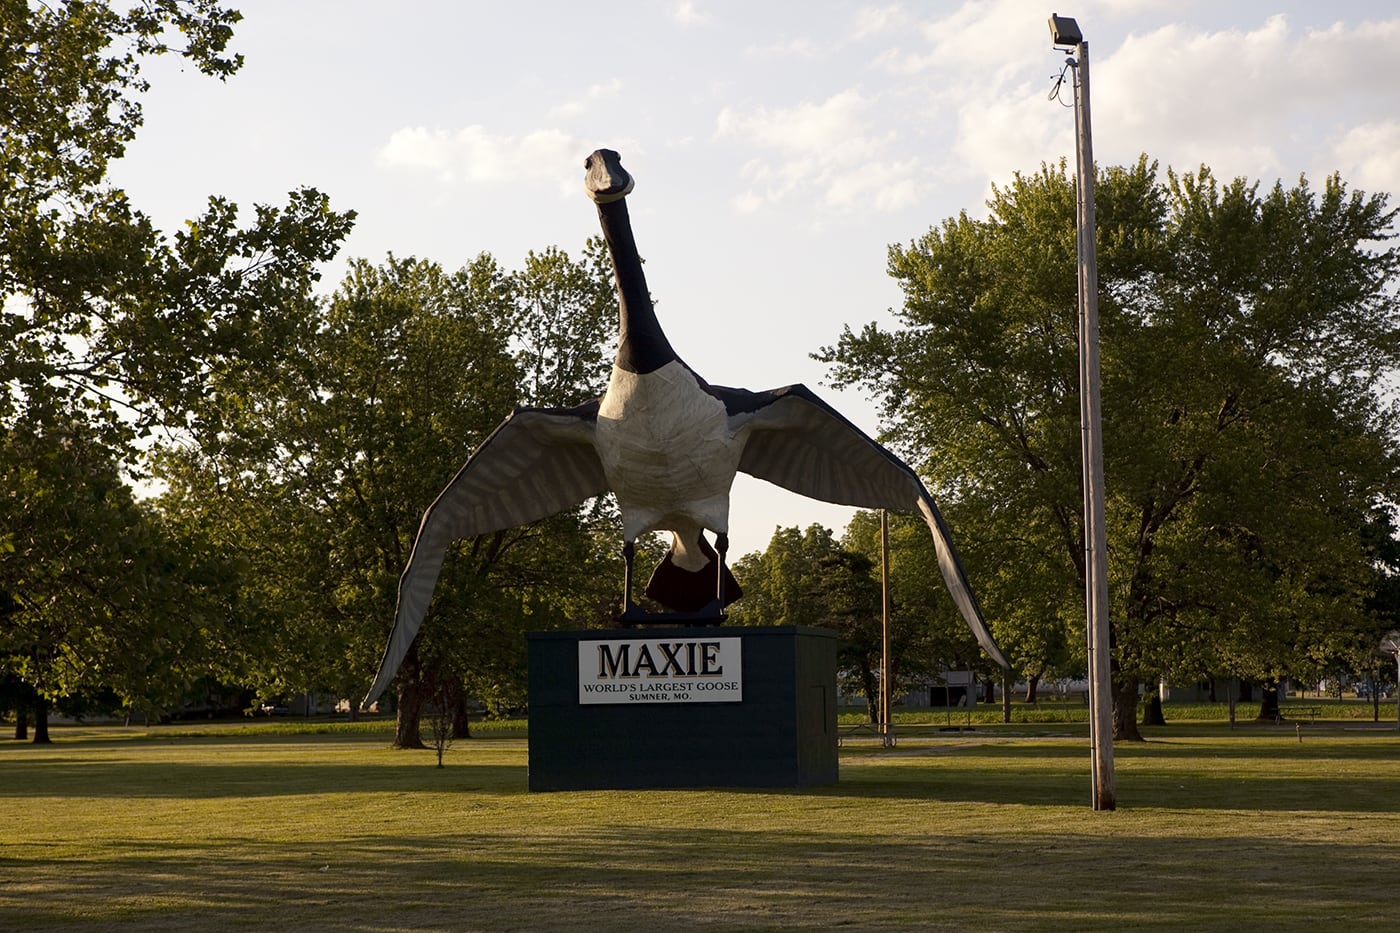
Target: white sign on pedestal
<point x="661" y="670"/>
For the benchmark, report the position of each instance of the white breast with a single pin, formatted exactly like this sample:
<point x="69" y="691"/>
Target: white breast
<point x="667" y="451"/>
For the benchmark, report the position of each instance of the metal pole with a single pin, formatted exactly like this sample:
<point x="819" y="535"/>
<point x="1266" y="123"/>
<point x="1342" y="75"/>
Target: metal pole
<point x="1095" y="530"/>
<point x="885" y="730"/>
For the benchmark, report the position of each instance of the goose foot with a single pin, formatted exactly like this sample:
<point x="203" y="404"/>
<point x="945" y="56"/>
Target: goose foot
<point x="711" y="614"/>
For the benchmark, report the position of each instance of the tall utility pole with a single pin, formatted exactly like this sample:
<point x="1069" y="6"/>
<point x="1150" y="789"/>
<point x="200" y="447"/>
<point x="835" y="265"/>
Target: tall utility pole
<point x="1064" y="32"/>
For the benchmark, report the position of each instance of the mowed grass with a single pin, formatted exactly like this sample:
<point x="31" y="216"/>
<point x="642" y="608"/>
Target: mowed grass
<point x="257" y="829"/>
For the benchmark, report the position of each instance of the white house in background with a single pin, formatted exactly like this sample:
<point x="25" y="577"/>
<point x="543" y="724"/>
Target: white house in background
<point x="951" y="688"/>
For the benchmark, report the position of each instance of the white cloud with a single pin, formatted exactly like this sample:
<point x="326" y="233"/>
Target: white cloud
<point x="1197" y="94"/>
<point x="974" y="37"/>
<point x="1264" y="99"/>
<point x="1121" y="8"/>
<point x="802" y="128"/>
<point x="799" y="47"/>
<point x="592" y="95"/>
<point x="1368" y="156"/>
<point x="888" y="185"/>
<point x="872" y="20"/>
<point x="822" y="150"/>
<point x="1346" y="59"/>
<point x="686" y="13"/>
<point x="748" y="202"/>
<point x="471" y="154"/>
<point x="967" y="91"/>
<point x="1237" y="100"/>
<point x="1014" y="130"/>
<point x="962" y="97"/>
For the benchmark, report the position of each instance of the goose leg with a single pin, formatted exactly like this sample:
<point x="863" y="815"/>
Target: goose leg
<point x="722" y="548"/>
<point x="629" y="551"/>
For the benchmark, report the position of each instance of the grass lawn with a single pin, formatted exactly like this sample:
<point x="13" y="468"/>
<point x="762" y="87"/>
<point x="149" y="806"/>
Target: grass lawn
<point x="270" y="829"/>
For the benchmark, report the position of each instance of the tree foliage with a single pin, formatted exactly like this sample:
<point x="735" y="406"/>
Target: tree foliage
<point x="103" y="316"/>
<point x="562" y="315"/>
<point x="298" y="437"/>
<point x="322" y="463"/>
<point x="112" y="329"/>
<point x="101" y="594"/>
<point x="810" y="578"/>
<point x="1245" y="338"/>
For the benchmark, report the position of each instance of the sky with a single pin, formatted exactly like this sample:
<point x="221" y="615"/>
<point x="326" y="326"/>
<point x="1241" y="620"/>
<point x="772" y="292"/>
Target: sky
<point x="779" y="148"/>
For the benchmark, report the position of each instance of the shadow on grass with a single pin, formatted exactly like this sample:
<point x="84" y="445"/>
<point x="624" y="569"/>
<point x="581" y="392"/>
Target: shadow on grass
<point x="1284" y="746"/>
<point x="136" y="779"/>
<point x="1032" y="774"/>
<point x="607" y="877"/>
<point x="1004" y="842"/>
<point x="1005" y="783"/>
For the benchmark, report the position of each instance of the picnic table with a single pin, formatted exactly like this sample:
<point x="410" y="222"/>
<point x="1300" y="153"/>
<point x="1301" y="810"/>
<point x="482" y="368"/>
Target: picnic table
<point x="1297" y="711"/>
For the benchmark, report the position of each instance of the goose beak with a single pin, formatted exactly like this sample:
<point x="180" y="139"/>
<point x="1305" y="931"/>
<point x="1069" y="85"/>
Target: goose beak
<point x="606" y="180"/>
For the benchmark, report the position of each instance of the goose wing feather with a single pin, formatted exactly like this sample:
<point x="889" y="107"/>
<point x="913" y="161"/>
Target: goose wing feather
<point x="797" y="441"/>
<point x="537" y="463"/>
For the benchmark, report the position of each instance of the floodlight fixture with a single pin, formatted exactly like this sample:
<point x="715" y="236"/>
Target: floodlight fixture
<point x="1064" y="31"/>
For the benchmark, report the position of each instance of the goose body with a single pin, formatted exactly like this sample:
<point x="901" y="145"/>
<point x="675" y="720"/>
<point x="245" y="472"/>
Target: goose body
<point x="668" y="445"/>
<point x="668" y="451"/>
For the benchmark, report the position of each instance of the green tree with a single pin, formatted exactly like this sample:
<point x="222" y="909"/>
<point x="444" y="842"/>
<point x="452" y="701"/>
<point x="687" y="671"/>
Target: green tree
<point x="70" y="86"/>
<point x="928" y="636"/>
<point x="564" y="324"/>
<point x="320" y="467"/>
<point x="317" y="466"/>
<point x="101" y="595"/>
<point x="102" y="316"/>
<point x="805" y="578"/>
<point x="110" y="329"/>
<point x="810" y="578"/>
<point x="782" y="584"/>
<point x="1245" y="336"/>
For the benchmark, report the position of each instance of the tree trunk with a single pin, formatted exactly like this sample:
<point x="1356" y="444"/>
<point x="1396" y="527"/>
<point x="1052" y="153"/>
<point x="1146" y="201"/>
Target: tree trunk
<point x="461" y="725"/>
<point x="1246" y="692"/>
<point x="989" y="691"/>
<point x="1032" y="685"/>
<point x="408" y="732"/>
<point x="1152" y="712"/>
<point x="413" y="694"/>
<point x="1125" y="701"/>
<point x="872" y="694"/>
<point x="22" y="724"/>
<point x="1268" y="703"/>
<point x="41" y="724"/>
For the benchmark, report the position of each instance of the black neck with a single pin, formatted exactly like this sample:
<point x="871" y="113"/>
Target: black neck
<point x="642" y="347"/>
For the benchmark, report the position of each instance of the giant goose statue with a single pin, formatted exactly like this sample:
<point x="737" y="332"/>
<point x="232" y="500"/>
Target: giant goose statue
<point x="667" y="444"/>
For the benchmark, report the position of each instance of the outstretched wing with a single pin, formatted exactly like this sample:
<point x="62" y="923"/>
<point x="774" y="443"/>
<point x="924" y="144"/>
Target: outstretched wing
<point x="537" y="463"/>
<point x="797" y="441"/>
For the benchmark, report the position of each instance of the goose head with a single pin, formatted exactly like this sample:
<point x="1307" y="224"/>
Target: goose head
<point x="605" y="180"/>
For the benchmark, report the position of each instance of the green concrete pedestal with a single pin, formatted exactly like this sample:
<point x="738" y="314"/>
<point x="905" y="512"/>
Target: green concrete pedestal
<point x="705" y="706"/>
